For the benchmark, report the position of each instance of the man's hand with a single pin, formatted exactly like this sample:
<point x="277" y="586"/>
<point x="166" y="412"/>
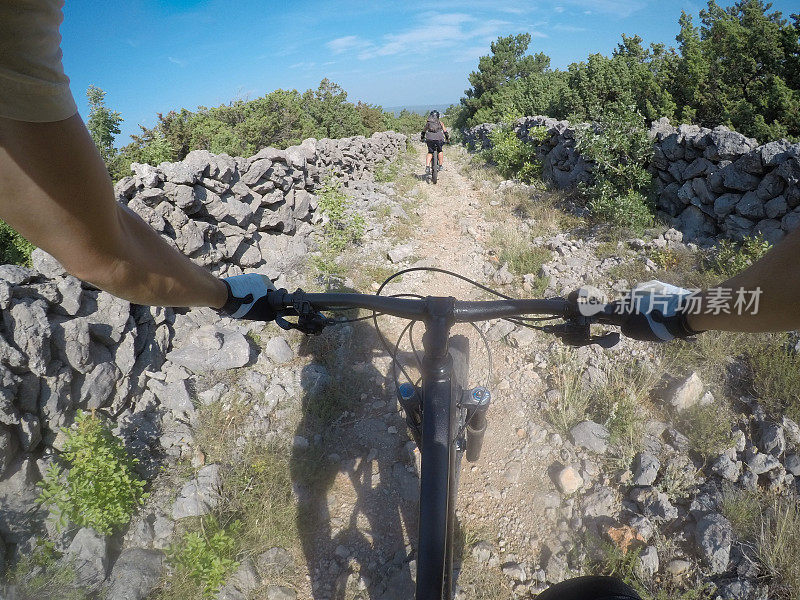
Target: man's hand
<point x="247" y="297"/>
<point x="654" y="312"/>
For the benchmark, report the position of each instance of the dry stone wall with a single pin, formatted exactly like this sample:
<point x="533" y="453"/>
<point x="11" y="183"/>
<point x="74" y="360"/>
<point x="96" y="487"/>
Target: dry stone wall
<point x="710" y="183"/>
<point x="65" y="345"/>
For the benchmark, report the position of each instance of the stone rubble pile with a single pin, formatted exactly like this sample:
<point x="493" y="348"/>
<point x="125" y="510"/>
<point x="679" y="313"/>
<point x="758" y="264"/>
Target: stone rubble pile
<point x="66" y="346"/>
<point x="711" y="183"/>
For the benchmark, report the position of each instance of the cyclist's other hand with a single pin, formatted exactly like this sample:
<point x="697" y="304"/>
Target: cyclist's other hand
<point x="447" y="136"/>
<point x="654" y="312"/>
<point x="247" y="297"/>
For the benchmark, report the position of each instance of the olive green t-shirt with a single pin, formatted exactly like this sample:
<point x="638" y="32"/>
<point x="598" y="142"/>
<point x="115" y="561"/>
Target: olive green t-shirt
<point x="33" y="86"/>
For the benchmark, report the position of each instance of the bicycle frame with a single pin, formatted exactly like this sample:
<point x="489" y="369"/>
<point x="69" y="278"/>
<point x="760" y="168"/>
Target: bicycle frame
<point x="441" y="396"/>
<point x="440" y="406"/>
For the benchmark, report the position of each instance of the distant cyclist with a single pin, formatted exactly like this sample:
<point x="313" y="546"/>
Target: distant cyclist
<point x="434" y="134"/>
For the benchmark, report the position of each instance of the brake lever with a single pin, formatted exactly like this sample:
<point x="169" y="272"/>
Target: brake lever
<point x="309" y="321"/>
<point x="578" y="335"/>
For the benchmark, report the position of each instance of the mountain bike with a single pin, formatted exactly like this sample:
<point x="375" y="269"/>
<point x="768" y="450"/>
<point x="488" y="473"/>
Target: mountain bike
<point x="446" y="418"/>
<point x="435" y="163"/>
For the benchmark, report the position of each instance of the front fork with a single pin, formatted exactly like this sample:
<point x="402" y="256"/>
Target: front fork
<point x="474" y="401"/>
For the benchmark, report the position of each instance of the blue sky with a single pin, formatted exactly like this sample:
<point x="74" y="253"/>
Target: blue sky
<point x="152" y="56"/>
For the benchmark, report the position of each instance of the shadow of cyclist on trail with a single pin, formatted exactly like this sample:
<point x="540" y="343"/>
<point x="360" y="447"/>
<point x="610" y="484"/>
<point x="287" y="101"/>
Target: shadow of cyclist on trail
<point x="354" y="480"/>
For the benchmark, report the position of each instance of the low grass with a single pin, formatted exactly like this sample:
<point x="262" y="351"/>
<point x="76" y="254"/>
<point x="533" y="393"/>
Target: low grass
<point x="572" y="404"/>
<point x="775" y="366"/>
<point x="387" y="171"/>
<point x="710" y="354"/>
<point x="258" y="511"/>
<point x="42" y="575"/>
<point x="621" y="404"/>
<point x="219" y="425"/>
<point x="769" y="524"/>
<point x="479" y="581"/>
<point x="708" y="428"/>
<point x="677" y="480"/>
<point x="521" y="255"/>
<point x="615" y="562"/>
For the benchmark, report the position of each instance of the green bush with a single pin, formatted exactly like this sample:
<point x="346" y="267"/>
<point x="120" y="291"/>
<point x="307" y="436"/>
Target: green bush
<point x="513" y="157"/>
<point x="100" y="490"/>
<point x="206" y="557"/>
<point x="14" y="249"/>
<point x="343" y="226"/>
<point x="620" y="148"/>
<point x="732" y="258"/>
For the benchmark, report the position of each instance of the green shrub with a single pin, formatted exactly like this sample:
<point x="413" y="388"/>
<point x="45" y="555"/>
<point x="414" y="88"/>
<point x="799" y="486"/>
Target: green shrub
<point x="776" y="375"/>
<point x="513" y="157"/>
<point x="732" y="258"/>
<point x="100" y="490"/>
<point x="620" y="148"/>
<point x="206" y="557"/>
<point x="343" y="226"/>
<point x="14" y="249"/>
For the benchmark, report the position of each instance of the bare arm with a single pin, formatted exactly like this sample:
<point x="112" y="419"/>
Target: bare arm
<point x="777" y="274"/>
<point x="55" y="190"/>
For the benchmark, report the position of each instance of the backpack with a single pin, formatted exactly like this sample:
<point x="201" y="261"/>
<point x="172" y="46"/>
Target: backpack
<point x="433" y="130"/>
<point x="433" y="125"/>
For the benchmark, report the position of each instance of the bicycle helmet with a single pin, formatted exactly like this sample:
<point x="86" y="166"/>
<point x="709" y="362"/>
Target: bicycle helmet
<point x="434" y="113"/>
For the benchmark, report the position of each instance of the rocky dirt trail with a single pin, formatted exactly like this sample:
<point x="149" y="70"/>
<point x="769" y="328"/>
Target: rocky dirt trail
<point x="507" y="500"/>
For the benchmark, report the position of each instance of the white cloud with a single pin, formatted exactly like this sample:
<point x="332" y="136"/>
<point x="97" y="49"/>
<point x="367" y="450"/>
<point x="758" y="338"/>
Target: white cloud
<point x="176" y="61"/>
<point x="344" y="44"/>
<point x="568" y="28"/>
<point x="559" y="9"/>
<point x="620" y="8"/>
<point x="435" y="32"/>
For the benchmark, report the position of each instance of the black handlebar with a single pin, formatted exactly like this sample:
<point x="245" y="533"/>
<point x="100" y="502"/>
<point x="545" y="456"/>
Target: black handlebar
<point x="575" y="330"/>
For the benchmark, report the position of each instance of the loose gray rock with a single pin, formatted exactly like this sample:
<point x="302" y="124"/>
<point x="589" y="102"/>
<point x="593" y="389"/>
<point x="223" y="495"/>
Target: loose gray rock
<point x="514" y="571"/>
<point x="760" y="463"/>
<point x="276" y="592"/>
<point x="772" y="439"/>
<point x="727" y="468"/>
<point x="135" y="574"/>
<point x="499" y="330"/>
<point x="199" y="495"/>
<point x="601" y="502"/>
<point x="401" y="253"/>
<point x="483" y="553"/>
<point x="278" y="350"/>
<point x="569" y="480"/>
<point x="645" y="469"/>
<point x="241" y="583"/>
<point x="714" y="537"/>
<point x="654" y="504"/>
<point x="647" y="563"/>
<point x="275" y="560"/>
<point x="792" y="464"/>
<point x="18" y="493"/>
<point x="212" y="348"/>
<point x="590" y="435"/>
<point x="687" y="393"/>
<point x="88" y="553"/>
